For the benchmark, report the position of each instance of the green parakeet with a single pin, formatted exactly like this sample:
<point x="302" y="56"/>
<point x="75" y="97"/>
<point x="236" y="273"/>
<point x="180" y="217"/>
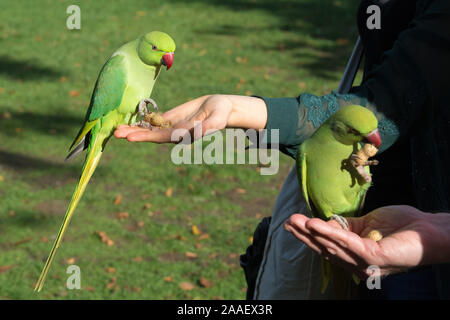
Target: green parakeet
<point x="330" y="185"/>
<point x="121" y="92"/>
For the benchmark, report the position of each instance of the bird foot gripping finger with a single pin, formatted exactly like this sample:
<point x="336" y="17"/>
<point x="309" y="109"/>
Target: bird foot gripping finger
<point x="341" y="220"/>
<point x="143" y="106"/>
<point x="142" y="124"/>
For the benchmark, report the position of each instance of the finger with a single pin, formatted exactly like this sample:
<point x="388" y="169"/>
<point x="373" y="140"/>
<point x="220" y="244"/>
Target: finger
<point x="304" y="238"/>
<point x="155" y="135"/>
<point x="339" y="253"/>
<point x="345" y="239"/>
<point x="123" y="131"/>
<point x="296" y="225"/>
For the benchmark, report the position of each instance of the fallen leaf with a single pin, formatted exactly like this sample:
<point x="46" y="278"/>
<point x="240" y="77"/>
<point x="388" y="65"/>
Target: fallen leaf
<point x="2" y="179"/>
<point x="179" y="237"/>
<point x="2" y="90"/>
<point x="18" y="130"/>
<point x="191" y="255"/>
<point x="205" y="283"/>
<point x="198" y="246"/>
<point x="110" y="270"/>
<point x="342" y="41"/>
<point x="6" y="115"/>
<point x="244" y="289"/>
<point x="112" y="283"/>
<point x="22" y="241"/>
<point x="44" y="239"/>
<point x="63" y="79"/>
<point x="118" y="199"/>
<point x="233" y="255"/>
<point x="168" y="279"/>
<point x="195" y="230"/>
<point x="212" y="255"/>
<point x="74" y="93"/>
<point x="140" y="224"/>
<point x="169" y="192"/>
<point x="250" y="240"/>
<point x="138" y="259"/>
<point x="228" y="51"/>
<point x="203" y="236"/>
<point x="258" y="215"/>
<point x="301" y="84"/>
<point x="140" y="13"/>
<point x="38" y="38"/>
<point x="147" y="206"/>
<point x="70" y="261"/>
<point x="105" y="238"/>
<point x="5" y="268"/>
<point x="90" y="288"/>
<point x="186" y="286"/>
<point x="12" y="213"/>
<point x="122" y="215"/>
<point x="240" y="190"/>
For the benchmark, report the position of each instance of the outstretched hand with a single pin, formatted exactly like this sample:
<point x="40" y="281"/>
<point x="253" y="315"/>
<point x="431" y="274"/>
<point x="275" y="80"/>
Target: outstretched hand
<point x="410" y="238"/>
<point x="213" y="113"/>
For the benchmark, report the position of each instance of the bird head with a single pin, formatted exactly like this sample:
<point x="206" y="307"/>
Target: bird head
<point x="156" y="49"/>
<point x="351" y="124"/>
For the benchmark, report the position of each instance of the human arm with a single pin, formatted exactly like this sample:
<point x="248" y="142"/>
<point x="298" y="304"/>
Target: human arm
<point x="216" y="112"/>
<point x="411" y="238"/>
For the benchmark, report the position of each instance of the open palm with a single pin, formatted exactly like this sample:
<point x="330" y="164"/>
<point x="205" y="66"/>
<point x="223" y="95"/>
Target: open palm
<point x="410" y="238"/>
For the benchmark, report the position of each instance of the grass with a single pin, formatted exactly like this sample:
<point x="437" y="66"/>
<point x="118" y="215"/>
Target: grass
<point x="47" y="73"/>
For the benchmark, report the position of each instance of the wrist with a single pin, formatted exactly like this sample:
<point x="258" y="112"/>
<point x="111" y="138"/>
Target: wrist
<point x="247" y="112"/>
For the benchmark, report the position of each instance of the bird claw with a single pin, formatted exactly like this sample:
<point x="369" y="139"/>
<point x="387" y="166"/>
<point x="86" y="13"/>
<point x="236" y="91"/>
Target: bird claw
<point x="142" y="124"/>
<point x="341" y="220"/>
<point x="143" y="106"/>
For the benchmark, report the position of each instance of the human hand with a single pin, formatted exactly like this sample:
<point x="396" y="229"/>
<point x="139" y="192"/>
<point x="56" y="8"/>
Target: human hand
<point x="213" y="113"/>
<point x="410" y="238"/>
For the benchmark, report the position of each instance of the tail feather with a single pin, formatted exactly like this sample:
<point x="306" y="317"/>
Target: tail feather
<point x="340" y="278"/>
<point x="90" y="164"/>
<point x="77" y="150"/>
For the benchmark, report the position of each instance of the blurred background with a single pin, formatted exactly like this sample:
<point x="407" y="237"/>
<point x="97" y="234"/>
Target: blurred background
<point x="176" y="232"/>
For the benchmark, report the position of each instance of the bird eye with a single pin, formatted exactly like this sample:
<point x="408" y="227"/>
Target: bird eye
<point x="353" y="131"/>
<point x="154" y="47"/>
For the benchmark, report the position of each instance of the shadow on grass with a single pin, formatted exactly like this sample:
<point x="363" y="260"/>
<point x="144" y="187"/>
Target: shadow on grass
<point x="330" y="20"/>
<point x="25" y="70"/>
<point x="44" y="123"/>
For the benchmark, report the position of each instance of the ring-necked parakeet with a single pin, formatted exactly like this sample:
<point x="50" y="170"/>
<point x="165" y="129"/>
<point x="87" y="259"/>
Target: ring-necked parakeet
<point x="331" y="186"/>
<point x="121" y="92"/>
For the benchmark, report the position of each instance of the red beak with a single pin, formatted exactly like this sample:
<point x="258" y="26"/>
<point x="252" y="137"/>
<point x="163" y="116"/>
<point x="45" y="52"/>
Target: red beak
<point x="374" y="138"/>
<point x="167" y="60"/>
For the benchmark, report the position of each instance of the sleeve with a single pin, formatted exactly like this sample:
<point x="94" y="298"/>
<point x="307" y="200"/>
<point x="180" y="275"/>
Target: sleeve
<point x="402" y="90"/>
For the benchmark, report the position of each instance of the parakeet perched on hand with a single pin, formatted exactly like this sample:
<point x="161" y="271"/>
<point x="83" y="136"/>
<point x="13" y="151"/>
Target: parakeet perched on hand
<point x="331" y="185"/>
<point x="121" y="92"/>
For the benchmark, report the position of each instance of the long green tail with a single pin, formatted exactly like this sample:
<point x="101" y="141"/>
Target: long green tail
<point x="341" y="279"/>
<point x="90" y="163"/>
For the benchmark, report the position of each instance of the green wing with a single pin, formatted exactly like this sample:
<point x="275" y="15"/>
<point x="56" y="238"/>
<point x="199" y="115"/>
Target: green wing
<point x="109" y="88"/>
<point x="107" y="95"/>
<point x="301" y="172"/>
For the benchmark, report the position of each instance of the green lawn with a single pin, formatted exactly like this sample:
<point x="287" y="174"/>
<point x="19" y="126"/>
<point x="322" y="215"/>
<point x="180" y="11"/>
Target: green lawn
<point x="47" y="73"/>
